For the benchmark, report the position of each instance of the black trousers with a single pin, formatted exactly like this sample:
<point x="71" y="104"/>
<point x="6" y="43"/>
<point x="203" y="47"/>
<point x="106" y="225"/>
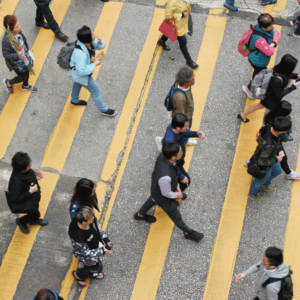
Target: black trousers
<point x="182" y="40"/>
<point x="21" y="77"/>
<point x="89" y="271"/>
<point x="30" y="218"/>
<point x="183" y="186"/>
<point x="256" y="298"/>
<point x="284" y="164"/>
<point x="255" y="72"/>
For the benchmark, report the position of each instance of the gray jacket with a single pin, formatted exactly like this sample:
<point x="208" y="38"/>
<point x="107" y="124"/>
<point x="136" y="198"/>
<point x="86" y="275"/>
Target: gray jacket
<point x="42" y="2"/>
<point x="270" y="292"/>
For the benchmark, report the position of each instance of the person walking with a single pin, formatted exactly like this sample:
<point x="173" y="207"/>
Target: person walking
<point x="271" y="270"/>
<point x="268" y="156"/>
<point x="86" y="237"/>
<point x="46" y="294"/>
<point x="25" y="191"/>
<point x="230" y="4"/>
<point x="278" y="86"/>
<point x="296" y="23"/>
<point x="82" y="69"/>
<point x="43" y="11"/>
<point x="179" y="10"/>
<point x="12" y="57"/>
<point x="165" y="191"/>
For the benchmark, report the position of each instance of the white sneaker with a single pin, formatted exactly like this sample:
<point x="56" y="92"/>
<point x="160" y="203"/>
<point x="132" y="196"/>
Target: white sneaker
<point x="191" y="142"/>
<point x="294" y="175"/>
<point x="158" y="140"/>
<point x="248" y="92"/>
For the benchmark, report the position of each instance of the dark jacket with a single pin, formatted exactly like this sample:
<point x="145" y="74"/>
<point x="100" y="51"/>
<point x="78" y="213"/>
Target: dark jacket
<point x="9" y="52"/>
<point x="163" y="168"/>
<point x="74" y="205"/>
<point x="19" y="191"/>
<point x="42" y="2"/>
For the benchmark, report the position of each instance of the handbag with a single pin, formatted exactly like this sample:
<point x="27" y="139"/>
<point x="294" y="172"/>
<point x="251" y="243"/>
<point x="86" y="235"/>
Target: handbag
<point x="190" y="33"/>
<point x="255" y="171"/>
<point x="14" y="207"/>
<point x="20" y="66"/>
<point x="169" y="29"/>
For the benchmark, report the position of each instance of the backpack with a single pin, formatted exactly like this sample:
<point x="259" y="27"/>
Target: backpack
<point x="64" y="56"/>
<point x="169" y="99"/>
<point x="243" y="45"/>
<point x="286" y="290"/>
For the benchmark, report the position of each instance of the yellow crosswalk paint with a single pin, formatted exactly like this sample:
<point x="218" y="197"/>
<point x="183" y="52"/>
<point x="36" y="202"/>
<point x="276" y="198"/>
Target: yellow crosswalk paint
<point x="157" y="244"/>
<point x="7" y="7"/>
<point x="232" y="218"/>
<point x="276" y="8"/>
<point x="17" y="101"/>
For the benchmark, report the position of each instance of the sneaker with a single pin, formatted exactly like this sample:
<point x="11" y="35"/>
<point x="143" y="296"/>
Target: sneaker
<point x="248" y="92"/>
<point x="22" y="227"/>
<point x="41" y="222"/>
<point x="30" y="88"/>
<point x="147" y="218"/>
<point x="257" y="197"/>
<point x="246" y="163"/>
<point x="294" y="175"/>
<point x="158" y="140"/>
<point x="80" y="103"/>
<point x="109" y="113"/>
<point x="294" y="23"/>
<point x="184" y="196"/>
<point x="266" y="188"/>
<point x="267" y="2"/>
<point x="191" y="142"/>
<point x="296" y="35"/>
<point x="290" y="138"/>
<point x="10" y="90"/>
<point x="194" y="236"/>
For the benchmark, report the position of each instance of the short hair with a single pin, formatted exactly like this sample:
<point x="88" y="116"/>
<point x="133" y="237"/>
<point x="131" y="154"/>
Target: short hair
<point x="265" y="20"/>
<point x="170" y="149"/>
<point x="20" y="161"/>
<point x="184" y="74"/>
<point x="84" y="34"/>
<point x="274" y="256"/>
<point x="10" y="21"/>
<point x="283" y="109"/>
<point x="281" y="124"/>
<point x="46" y="294"/>
<point x="83" y="213"/>
<point x="179" y="121"/>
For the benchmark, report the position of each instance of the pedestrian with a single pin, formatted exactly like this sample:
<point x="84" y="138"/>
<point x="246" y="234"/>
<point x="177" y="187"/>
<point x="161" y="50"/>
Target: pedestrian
<point x="278" y="86"/>
<point x="25" y="191"/>
<point x="165" y="191"/>
<point x="230" y="4"/>
<point x="268" y="156"/>
<point x="86" y="237"/>
<point x="271" y="270"/>
<point x="296" y="23"/>
<point x="178" y="132"/>
<point x="179" y="11"/>
<point x="82" y="69"/>
<point x="46" y="294"/>
<point x="12" y="57"/>
<point x="43" y="11"/>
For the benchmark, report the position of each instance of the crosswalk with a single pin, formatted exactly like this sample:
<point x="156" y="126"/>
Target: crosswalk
<point x="144" y="262"/>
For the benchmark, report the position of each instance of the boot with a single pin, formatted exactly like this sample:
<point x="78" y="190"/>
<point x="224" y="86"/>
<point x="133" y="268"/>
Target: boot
<point x="163" y="44"/>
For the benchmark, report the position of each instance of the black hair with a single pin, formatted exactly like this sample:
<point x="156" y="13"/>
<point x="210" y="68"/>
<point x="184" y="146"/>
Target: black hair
<point x="281" y="124"/>
<point x="20" y="161"/>
<point x="83" y="193"/>
<point x="170" y="149"/>
<point x="274" y="256"/>
<point x="282" y="109"/>
<point x="179" y="121"/>
<point x="265" y="20"/>
<point x="84" y="34"/>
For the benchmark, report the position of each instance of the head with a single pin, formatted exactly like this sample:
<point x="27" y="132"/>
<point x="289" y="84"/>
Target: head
<point x="172" y="151"/>
<point x="46" y="294"/>
<point x="84" y="35"/>
<point x="84" y="192"/>
<point x="84" y="215"/>
<point x="273" y="258"/>
<point x="266" y="22"/>
<point x="282" y="109"/>
<point x="185" y="76"/>
<point x="21" y="162"/>
<point x="180" y="122"/>
<point x="281" y="125"/>
<point x="12" y="22"/>
<point x="286" y="66"/>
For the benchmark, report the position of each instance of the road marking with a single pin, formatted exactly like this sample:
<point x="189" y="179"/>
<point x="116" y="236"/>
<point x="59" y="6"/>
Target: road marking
<point x="226" y="244"/>
<point x="66" y="127"/>
<point x="161" y="2"/>
<point x="18" y="251"/>
<point x="17" y="101"/>
<point x="7" y="7"/>
<point x="275" y="8"/>
<point x="157" y="244"/>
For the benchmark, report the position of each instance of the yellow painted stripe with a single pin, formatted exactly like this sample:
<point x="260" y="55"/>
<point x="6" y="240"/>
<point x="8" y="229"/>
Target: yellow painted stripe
<point x="20" y="246"/>
<point x="161" y="2"/>
<point x="276" y="8"/>
<point x="64" y="132"/>
<point x="17" y="101"/>
<point x="232" y="218"/>
<point x="157" y="244"/>
<point x="7" y="7"/>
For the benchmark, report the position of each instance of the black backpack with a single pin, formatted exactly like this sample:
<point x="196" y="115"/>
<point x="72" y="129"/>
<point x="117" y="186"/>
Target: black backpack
<point x="64" y="55"/>
<point x="169" y="99"/>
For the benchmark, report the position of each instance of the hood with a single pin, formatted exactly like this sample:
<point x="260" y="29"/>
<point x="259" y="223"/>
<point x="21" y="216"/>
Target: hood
<point x="269" y="33"/>
<point x="280" y="272"/>
<point x="265" y="135"/>
<point x="74" y="232"/>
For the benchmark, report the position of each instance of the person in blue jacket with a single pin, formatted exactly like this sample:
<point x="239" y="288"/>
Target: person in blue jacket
<point x="178" y="132"/>
<point x="82" y="69"/>
<point x="230" y="4"/>
<point x="46" y="294"/>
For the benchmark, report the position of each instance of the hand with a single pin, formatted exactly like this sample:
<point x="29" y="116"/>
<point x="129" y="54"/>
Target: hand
<point x="239" y="277"/>
<point x="185" y="13"/>
<point x="33" y="189"/>
<point x="200" y="135"/>
<point x="39" y="175"/>
<point x="179" y="195"/>
<point x="21" y="56"/>
<point x="185" y="180"/>
<point x="109" y="244"/>
<point x="106" y="252"/>
<point x="272" y="45"/>
<point x="99" y="38"/>
<point x="93" y="36"/>
<point x="98" y="62"/>
<point x="279" y="158"/>
<point x="296" y="83"/>
<point x="281" y="154"/>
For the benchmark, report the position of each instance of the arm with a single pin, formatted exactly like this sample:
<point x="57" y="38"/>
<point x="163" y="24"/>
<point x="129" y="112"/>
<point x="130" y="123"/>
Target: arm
<point x="190" y="133"/>
<point x="273" y="290"/>
<point x="180" y="175"/>
<point x="104" y="236"/>
<point x="170" y="8"/>
<point x="276" y="89"/>
<point x="264" y="159"/>
<point x="253" y="269"/>
<point x="165" y="187"/>
<point x="17" y="195"/>
<point x="80" y="63"/>
<point x="82" y="249"/>
<point x="6" y="51"/>
<point x="262" y="45"/>
<point x="98" y="46"/>
<point x="276" y="37"/>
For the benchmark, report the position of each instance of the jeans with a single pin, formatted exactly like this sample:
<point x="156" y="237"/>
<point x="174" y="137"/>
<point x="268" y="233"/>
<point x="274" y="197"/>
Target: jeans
<point x="170" y="208"/>
<point x="43" y="11"/>
<point x="30" y="218"/>
<point x="89" y="271"/>
<point x="271" y="173"/>
<point x="255" y="72"/>
<point x="22" y="77"/>
<point x="95" y="91"/>
<point x="297" y="31"/>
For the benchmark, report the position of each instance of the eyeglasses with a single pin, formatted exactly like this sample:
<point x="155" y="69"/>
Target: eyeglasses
<point x="192" y="79"/>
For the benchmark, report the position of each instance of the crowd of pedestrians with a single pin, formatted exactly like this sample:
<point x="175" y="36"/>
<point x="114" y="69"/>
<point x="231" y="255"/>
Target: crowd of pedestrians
<point x="169" y="178"/>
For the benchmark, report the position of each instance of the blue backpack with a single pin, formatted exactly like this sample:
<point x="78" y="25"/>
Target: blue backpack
<point x="169" y="99"/>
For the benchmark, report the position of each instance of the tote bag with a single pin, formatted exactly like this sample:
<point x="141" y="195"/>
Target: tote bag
<point x="169" y="29"/>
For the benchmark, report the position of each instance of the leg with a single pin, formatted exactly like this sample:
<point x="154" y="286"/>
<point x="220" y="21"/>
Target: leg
<point x="183" y="186"/>
<point x="256" y="70"/>
<point x="75" y="92"/>
<point x="257" y="183"/>
<point x="251" y="109"/>
<point x="230" y="5"/>
<point x="146" y="206"/>
<point x="297" y="31"/>
<point x="162" y="42"/>
<point x="89" y="271"/>
<point x="46" y="12"/>
<point x="284" y="165"/>
<point x="30" y="218"/>
<point x="39" y="18"/>
<point x="275" y="171"/>
<point x="95" y="91"/>
<point x="182" y="40"/>
<point x="164" y="38"/>
<point x="21" y="77"/>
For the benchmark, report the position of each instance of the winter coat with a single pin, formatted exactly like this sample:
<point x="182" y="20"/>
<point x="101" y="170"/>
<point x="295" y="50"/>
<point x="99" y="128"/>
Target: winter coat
<point x="81" y="60"/>
<point x="176" y="8"/>
<point x="42" y="2"/>
<point x="270" y="292"/>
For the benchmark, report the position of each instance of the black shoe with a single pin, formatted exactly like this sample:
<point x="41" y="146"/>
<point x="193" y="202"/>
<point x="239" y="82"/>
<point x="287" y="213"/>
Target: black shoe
<point x="80" y="103"/>
<point x="147" y="218"/>
<point x="184" y="196"/>
<point x="22" y="227"/>
<point x="43" y="25"/>
<point x="41" y="222"/>
<point x="163" y="44"/>
<point x="240" y="117"/>
<point x="109" y="113"/>
<point x="192" y="64"/>
<point x="290" y="138"/>
<point x="194" y="236"/>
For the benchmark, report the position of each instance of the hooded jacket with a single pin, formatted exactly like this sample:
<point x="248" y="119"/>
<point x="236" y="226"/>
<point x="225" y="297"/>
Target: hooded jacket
<point x="270" y="292"/>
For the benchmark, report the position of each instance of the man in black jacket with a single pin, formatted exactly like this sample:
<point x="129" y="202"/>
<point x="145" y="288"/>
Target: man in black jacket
<point x="165" y="190"/>
<point x="25" y="191"/>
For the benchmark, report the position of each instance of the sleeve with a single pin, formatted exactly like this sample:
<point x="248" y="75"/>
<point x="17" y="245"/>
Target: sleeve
<point x="6" y="51"/>
<point x="82" y="249"/>
<point x="253" y="269"/>
<point x="273" y="290"/>
<point x="276" y="37"/>
<point x="104" y="236"/>
<point x="16" y="192"/>
<point x="264" y="159"/>
<point x="295" y="76"/>
<point x="170" y="8"/>
<point x="179" y="102"/>
<point x="165" y="187"/>
<point x="180" y="175"/>
<point x="262" y="45"/>
<point x="80" y="63"/>
<point x="277" y="91"/>
<point x="98" y="46"/>
<point x="190" y="133"/>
